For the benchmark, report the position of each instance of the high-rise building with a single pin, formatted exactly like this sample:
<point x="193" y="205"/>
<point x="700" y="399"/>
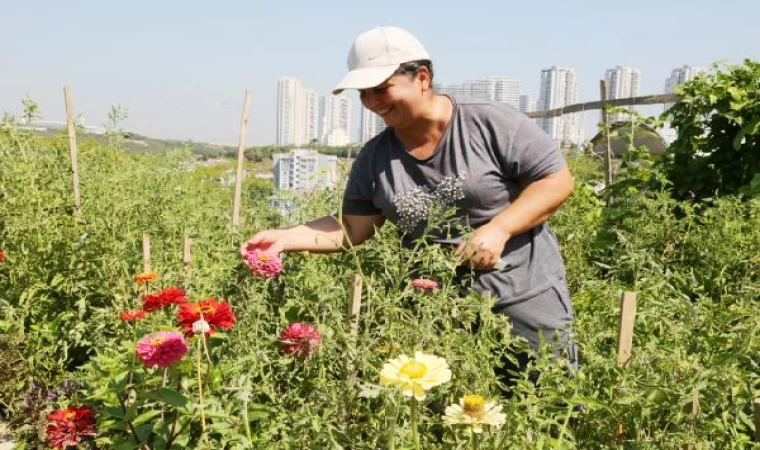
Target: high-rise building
<point x="304" y="169"/>
<point x="297" y="113"/>
<point x="506" y="91"/>
<point x="372" y="125"/>
<point x="527" y="103"/>
<point x="681" y="75"/>
<point x="622" y="82"/>
<point x="336" y="121"/>
<point x="559" y="88"/>
<point x="498" y="89"/>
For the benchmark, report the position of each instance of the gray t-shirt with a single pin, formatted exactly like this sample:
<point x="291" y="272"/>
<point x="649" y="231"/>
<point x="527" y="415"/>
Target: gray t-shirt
<point x="488" y="153"/>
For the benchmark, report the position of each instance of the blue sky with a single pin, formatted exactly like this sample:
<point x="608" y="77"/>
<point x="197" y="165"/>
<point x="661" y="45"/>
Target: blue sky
<point x="181" y="68"/>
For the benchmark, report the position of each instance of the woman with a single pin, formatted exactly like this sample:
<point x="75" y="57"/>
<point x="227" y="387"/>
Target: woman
<point x="503" y="175"/>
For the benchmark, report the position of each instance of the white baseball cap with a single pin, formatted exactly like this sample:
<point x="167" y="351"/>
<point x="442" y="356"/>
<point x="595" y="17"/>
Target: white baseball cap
<point x="376" y="54"/>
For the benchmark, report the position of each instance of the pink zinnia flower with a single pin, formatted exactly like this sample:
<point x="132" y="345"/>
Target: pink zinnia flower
<point x="162" y="349"/>
<point x="424" y="284"/>
<point x="300" y="339"/>
<point x="132" y="314"/>
<point x="264" y="264"/>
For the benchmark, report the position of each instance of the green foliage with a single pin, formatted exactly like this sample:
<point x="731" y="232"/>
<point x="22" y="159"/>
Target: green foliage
<point x="717" y="151"/>
<point x="31" y="110"/>
<point x="64" y="283"/>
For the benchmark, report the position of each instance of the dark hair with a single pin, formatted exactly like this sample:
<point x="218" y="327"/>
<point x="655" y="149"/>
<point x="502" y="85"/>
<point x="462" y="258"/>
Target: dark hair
<point x="410" y="68"/>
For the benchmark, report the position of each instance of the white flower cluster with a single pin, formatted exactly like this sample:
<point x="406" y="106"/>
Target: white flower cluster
<point x="413" y="207"/>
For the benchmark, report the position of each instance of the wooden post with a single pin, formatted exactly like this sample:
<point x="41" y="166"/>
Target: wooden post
<point x="187" y="260"/>
<point x="625" y="328"/>
<point x="608" y="152"/>
<point x="691" y="409"/>
<point x="146" y="253"/>
<point x="72" y="130"/>
<point x="580" y="107"/>
<point x="355" y="302"/>
<point x="354" y="306"/>
<point x="187" y="257"/>
<point x="241" y="157"/>
<point x="757" y="419"/>
<point x="625" y="344"/>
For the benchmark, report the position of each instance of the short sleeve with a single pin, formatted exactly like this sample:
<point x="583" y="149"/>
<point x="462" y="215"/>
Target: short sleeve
<point x="531" y="154"/>
<point x="357" y="197"/>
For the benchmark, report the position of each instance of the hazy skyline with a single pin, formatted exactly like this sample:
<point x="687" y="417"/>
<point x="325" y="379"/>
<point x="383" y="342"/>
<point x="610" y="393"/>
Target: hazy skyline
<point x="181" y="68"/>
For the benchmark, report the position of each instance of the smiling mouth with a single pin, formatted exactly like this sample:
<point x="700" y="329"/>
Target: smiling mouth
<point x="382" y="112"/>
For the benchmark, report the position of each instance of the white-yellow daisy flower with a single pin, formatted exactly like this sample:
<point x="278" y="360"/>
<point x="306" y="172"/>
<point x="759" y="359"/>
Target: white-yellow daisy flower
<point x="415" y="375"/>
<point x="474" y="411"/>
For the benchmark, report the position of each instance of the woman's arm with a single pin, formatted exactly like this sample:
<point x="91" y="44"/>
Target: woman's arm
<point x="535" y="204"/>
<point x="323" y="235"/>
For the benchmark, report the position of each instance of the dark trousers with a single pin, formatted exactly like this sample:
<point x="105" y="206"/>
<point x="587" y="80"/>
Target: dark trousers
<point x="547" y="317"/>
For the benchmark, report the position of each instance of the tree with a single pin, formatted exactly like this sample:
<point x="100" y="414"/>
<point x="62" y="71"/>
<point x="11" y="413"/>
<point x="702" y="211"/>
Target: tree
<point x="717" y="119"/>
<point x="116" y="115"/>
<point x="31" y="111"/>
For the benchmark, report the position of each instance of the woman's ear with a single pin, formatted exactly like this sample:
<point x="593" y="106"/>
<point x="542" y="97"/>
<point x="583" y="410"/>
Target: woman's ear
<point x="423" y="74"/>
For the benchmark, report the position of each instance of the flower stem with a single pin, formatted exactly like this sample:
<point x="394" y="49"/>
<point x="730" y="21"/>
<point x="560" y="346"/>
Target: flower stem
<point x="413" y="419"/>
<point x="391" y="425"/>
<point x="247" y="422"/>
<point x="164" y="377"/>
<point x="200" y="383"/>
<point x="133" y="361"/>
<point x="475" y="439"/>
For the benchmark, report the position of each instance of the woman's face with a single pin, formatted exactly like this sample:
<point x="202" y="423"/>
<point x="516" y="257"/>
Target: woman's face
<point x="395" y="100"/>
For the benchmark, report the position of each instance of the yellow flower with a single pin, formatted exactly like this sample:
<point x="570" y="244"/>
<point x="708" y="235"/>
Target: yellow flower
<point x="415" y="375"/>
<point x="474" y="411"/>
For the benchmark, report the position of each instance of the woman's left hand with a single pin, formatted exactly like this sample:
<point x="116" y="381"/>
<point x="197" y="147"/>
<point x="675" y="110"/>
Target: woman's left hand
<point x="484" y="248"/>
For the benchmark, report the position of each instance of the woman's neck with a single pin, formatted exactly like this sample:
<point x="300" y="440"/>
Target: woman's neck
<point x="428" y="127"/>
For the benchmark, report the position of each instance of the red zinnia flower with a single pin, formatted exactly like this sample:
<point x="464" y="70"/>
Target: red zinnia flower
<point x="132" y="314"/>
<point x="216" y="314"/>
<point x="300" y="339"/>
<point x="2" y="257"/>
<point x="68" y="426"/>
<point x="169" y="296"/>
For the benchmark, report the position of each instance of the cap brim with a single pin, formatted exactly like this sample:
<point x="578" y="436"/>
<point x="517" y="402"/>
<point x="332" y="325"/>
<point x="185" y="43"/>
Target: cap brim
<point x="364" y="78"/>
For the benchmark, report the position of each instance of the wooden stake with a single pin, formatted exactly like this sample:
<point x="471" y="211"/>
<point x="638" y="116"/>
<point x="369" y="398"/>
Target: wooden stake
<point x="757" y="419"/>
<point x="355" y="302"/>
<point x="187" y="261"/>
<point x="625" y="328"/>
<point x="241" y="157"/>
<point x="71" y="126"/>
<point x="608" y="153"/>
<point x="354" y="306"/>
<point x="146" y="253"/>
<point x="187" y="257"/>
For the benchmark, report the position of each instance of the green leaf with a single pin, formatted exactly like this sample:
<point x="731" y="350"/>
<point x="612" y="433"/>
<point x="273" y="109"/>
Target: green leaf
<point x="144" y="431"/>
<point x="170" y="396"/>
<point x="752" y="128"/>
<point x="258" y="411"/>
<point x="146" y="416"/>
<point x="115" y="411"/>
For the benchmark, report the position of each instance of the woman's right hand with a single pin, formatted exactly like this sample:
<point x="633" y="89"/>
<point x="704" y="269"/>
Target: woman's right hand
<point x="274" y="241"/>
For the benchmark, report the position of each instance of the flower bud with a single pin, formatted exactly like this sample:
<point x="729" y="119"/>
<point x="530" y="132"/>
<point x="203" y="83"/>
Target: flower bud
<point x="201" y="327"/>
